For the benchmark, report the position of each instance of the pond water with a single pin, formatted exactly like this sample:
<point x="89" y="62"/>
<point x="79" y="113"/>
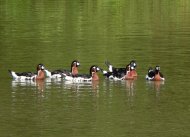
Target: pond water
<point x="56" y="32"/>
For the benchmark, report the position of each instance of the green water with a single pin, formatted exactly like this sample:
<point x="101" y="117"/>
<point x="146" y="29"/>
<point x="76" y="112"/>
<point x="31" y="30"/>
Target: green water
<point x="153" y="32"/>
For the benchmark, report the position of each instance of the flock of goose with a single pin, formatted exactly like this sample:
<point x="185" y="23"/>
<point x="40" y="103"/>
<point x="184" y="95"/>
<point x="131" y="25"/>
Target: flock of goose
<point x="126" y="73"/>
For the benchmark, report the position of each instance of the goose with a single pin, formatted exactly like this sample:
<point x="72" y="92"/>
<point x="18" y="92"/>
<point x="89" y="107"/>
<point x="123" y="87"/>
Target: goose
<point x="30" y="75"/>
<point x="93" y="76"/>
<point x="22" y="75"/>
<point x="120" y="73"/>
<point x="127" y="75"/>
<point x="154" y="74"/>
<point x="60" y="73"/>
<point x="114" y="72"/>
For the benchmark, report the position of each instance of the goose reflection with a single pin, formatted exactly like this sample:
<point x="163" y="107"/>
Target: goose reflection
<point x="130" y="85"/>
<point x="80" y="87"/>
<point x="40" y="85"/>
<point x="156" y="86"/>
<point x="95" y="85"/>
<point x="22" y="83"/>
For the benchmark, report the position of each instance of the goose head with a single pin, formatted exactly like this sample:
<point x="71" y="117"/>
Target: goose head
<point x="40" y="67"/>
<point x="93" y="70"/>
<point x="133" y="62"/>
<point x="75" y="63"/>
<point x="157" y="69"/>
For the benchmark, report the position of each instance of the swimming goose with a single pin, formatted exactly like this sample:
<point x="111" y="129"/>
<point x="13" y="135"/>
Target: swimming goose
<point x="114" y="72"/>
<point x="93" y="76"/>
<point x="22" y="75"/>
<point x="29" y="75"/>
<point x="62" y="72"/>
<point x="155" y="74"/>
<point x="120" y="73"/>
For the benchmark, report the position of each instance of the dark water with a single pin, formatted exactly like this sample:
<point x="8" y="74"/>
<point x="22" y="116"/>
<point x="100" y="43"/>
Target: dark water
<point x="56" y="32"/>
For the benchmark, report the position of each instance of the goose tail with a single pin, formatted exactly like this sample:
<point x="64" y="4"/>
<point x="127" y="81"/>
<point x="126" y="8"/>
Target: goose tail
<point x="110" y="67"/>
<point x="13" y="74"/>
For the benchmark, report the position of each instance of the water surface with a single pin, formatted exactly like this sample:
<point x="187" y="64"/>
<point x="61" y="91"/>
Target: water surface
<point x="56" y="32"/>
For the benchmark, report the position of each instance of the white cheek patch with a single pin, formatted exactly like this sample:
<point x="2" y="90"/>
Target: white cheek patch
<point x="157" y="68"/>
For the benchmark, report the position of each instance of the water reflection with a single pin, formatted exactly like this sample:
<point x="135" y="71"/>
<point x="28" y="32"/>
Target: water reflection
<point x="130" y="85"/>
<point x="95" y="85"/>
<point x="113" y="89"/>
<point x="22" y="83"/>
<point x="80" y="87"/>
<point x="156" y="86"/>
<point x="42" y="85"/>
